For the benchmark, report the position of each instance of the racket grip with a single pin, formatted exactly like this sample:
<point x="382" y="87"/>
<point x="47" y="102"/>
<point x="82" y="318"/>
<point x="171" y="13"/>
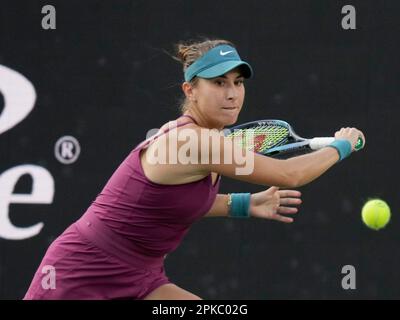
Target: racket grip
<point x="318" y="143"/>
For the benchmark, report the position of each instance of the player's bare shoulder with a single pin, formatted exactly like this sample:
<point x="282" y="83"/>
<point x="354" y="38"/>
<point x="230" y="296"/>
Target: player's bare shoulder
<point x="178" y="142"/>
<point x="172" y="157"/>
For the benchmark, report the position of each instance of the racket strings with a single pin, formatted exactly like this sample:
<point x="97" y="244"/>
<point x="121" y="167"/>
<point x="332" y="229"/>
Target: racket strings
<point x="261" y="138"/>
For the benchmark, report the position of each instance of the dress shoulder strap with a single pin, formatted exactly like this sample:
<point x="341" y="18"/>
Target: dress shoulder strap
<point x="146" y="142"/>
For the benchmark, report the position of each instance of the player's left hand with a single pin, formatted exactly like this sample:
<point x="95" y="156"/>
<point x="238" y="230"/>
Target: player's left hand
<point x="272" y="203"/>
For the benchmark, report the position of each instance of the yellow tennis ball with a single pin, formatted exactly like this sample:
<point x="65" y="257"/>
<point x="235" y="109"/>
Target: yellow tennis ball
<point x="375" y="214"/>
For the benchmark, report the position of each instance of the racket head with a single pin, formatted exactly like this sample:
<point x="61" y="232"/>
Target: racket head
<point x="267" y="137"/>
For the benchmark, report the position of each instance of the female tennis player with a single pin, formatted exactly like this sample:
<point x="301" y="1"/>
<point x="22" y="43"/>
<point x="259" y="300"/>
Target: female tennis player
<point x="116" y="250"/>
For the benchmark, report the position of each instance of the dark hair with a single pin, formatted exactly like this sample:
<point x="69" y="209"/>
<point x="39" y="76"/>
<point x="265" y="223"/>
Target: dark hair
<point x="189" y="51"/>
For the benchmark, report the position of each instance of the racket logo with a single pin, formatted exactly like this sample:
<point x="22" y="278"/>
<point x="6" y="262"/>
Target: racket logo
<point x="259" y="142"/>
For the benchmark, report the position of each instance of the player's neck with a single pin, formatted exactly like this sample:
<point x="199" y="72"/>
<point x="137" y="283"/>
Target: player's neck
<point x="197" y="119"/>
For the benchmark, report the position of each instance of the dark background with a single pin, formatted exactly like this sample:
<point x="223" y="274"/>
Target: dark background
<point x="103" y="77"/>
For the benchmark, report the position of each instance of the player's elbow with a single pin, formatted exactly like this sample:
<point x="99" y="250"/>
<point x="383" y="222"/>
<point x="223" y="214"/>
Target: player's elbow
<point x="296" y="182"/>
<point x="293" y="178"/>
<point x="292" y="181"/>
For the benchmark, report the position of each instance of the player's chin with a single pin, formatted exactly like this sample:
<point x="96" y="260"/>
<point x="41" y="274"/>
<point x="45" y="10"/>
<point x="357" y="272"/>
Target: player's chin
<point x="229" y="116"/>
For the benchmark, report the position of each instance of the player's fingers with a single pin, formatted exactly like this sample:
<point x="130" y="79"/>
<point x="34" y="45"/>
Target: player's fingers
<point x="290" y="201"/>
<point x="277" y="217"/>
<point x="289" y="193"/>
<point x="287" y="210"/>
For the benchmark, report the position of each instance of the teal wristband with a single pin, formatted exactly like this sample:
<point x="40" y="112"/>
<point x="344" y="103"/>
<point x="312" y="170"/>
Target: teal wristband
<point x="343" y="147"/>
<point x="240" y="204"/>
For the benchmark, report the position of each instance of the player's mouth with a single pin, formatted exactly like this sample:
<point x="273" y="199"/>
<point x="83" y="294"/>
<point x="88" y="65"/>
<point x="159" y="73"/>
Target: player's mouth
<point x="229" y="108"/>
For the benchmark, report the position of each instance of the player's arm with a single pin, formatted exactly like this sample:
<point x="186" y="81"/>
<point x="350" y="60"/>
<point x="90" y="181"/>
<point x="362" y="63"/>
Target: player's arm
<point x="219" y="207"/>
<point x="257" y="169"/>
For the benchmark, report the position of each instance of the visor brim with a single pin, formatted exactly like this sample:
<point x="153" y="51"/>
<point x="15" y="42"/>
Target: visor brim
<point x="224" y="67"/>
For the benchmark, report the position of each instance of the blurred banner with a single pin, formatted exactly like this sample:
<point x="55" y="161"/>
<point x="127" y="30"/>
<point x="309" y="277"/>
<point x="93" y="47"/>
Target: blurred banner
<point x="78" y="96"/>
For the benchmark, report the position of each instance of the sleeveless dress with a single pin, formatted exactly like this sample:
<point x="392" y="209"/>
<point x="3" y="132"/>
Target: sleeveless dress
<point x="116" y="250"/>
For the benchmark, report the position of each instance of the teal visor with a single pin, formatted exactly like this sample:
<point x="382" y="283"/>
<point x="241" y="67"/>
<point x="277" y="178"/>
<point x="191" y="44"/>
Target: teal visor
<point x="216" y="62"/>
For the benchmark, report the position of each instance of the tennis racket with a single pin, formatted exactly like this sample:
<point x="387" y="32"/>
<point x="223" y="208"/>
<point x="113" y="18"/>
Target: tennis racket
<point x="276" y="138"/>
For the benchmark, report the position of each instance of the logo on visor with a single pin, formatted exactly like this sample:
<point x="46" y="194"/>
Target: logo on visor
<point x="224" y="53"/>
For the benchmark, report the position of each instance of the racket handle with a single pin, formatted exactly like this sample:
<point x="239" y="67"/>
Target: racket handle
<point x="318" y="143"/>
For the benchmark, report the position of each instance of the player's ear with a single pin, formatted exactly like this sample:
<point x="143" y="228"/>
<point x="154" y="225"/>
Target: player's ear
<point x="187" y="89"/>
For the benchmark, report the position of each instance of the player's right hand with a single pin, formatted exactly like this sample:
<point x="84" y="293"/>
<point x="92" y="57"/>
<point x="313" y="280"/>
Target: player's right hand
<point x="351" y="134"/>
